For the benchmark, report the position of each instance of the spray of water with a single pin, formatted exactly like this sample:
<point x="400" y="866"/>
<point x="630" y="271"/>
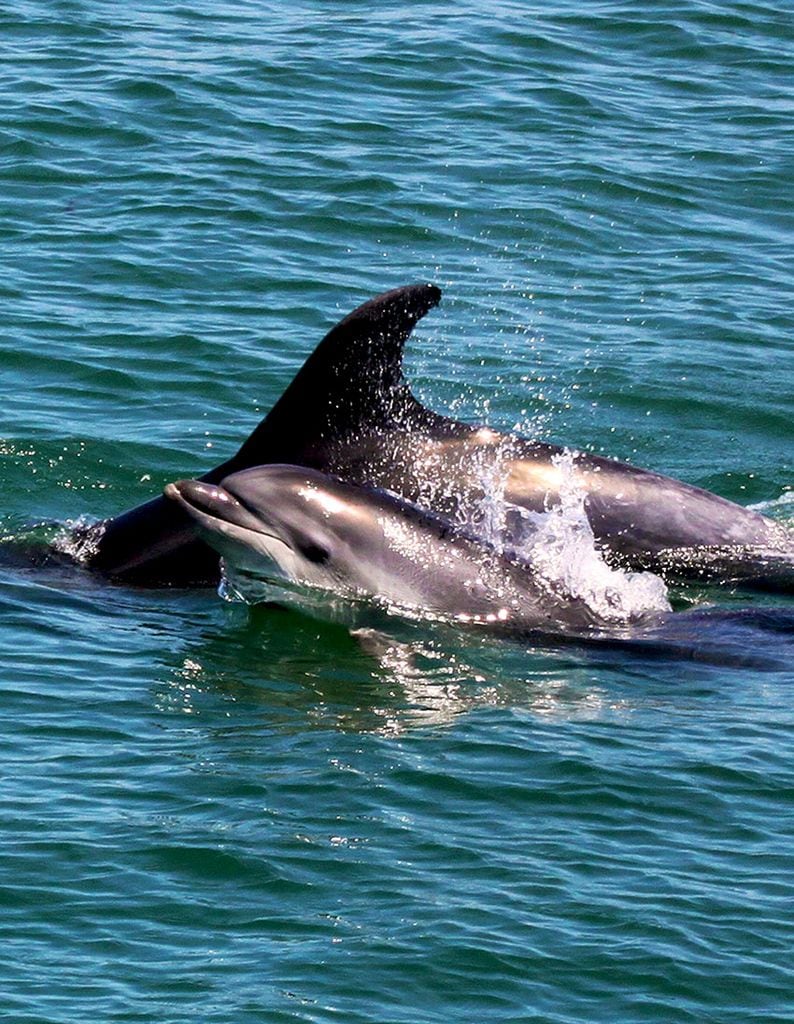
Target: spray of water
<point x="79" y="539"/>
<point x="560" y="546"/>
<point x="781" y="508"/>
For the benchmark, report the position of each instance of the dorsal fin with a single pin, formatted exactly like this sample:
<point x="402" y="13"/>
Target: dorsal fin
<point x="350" y="385"/>
<point x="353" y="380"/>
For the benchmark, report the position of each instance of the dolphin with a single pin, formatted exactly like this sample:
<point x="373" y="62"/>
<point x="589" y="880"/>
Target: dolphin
<point x="349" y="412"/>
<point x="339" y="540"/>
<point x="306" y="527"/>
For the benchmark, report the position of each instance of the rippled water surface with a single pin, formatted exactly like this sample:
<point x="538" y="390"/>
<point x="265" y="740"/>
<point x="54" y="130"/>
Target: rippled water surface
<point x="212" y="813"/>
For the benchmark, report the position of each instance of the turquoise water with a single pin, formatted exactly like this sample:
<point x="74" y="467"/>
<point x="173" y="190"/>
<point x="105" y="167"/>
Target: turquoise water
<point x="218" y="814"/>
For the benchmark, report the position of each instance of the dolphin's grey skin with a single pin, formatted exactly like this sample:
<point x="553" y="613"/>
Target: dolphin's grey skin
<point x="354" y="541"/>
<point x="350" y="413"/>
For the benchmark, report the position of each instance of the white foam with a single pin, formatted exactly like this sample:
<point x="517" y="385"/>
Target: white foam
<point x="780" y="508"/>
<point x="560" y="546"/>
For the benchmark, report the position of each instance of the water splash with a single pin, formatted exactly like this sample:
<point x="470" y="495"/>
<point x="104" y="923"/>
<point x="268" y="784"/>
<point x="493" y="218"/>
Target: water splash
<point x="781" y="508"/>
<point x="494" y="512"/>
<point x="560" y="546"/>
<point x="343" y="607"/>
<point x="79" y="539"/>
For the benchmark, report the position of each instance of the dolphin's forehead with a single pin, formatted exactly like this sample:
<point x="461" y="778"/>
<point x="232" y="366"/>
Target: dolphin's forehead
<point x="323" y="500"/>
<point x="267" y="487"/>
<point x="296" y="498"/>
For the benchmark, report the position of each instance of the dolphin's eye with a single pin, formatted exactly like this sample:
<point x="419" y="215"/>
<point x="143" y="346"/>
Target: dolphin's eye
<point x="315" y="553"/>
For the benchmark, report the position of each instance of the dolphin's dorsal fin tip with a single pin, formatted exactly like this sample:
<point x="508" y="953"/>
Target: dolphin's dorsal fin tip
<point x="352" y="380"/>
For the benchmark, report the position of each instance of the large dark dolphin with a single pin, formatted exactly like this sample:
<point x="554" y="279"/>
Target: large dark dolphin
<point x="349" y="412"/>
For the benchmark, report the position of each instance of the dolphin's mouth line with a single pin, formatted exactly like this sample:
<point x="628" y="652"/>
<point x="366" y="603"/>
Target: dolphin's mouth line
<point x="248" y="507"/>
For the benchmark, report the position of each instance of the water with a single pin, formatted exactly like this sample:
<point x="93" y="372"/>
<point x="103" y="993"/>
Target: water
<point x="217" y="814"/>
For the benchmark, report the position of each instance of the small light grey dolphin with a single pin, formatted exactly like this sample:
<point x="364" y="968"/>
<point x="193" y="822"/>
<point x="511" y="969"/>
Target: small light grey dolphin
<point x="353" y="542"/>
<point x="349" y="412"/>
<point x="305" y="527"/>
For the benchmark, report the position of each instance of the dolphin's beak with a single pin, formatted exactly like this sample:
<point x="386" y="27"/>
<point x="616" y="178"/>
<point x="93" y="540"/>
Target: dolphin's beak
<point x="211" y="505"/>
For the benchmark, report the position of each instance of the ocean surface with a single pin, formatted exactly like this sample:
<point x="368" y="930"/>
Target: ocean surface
<point x="223" y="814"/>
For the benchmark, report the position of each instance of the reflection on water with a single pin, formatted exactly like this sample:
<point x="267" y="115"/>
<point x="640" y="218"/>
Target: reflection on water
<point x="278" y="670"/>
